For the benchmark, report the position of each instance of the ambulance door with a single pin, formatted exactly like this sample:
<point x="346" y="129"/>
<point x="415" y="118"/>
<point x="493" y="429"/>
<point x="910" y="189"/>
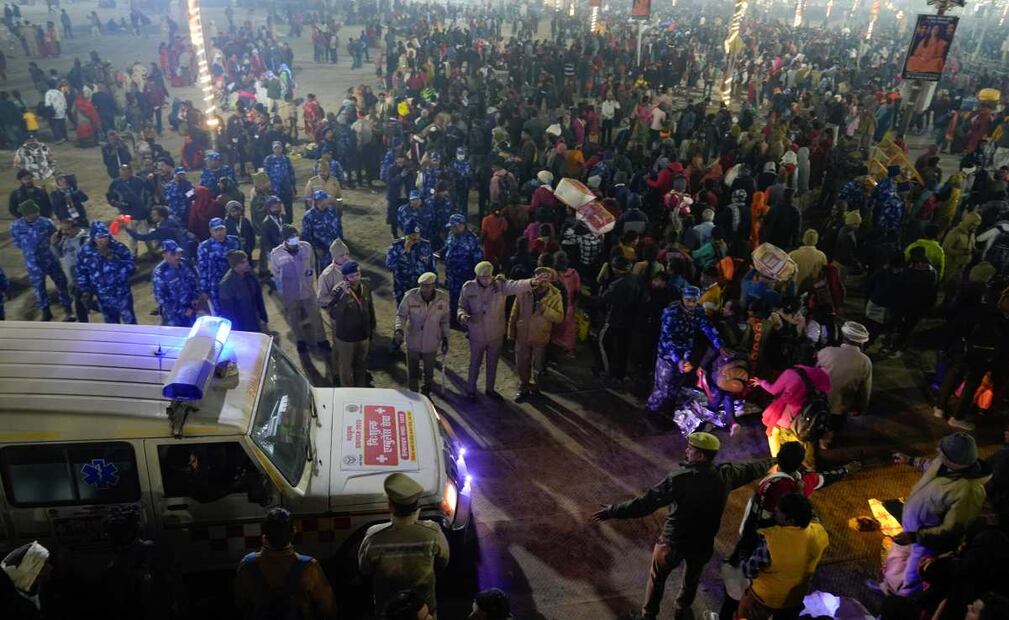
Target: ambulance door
<point x="62" y="493"/>
<point x="208" y="498"/>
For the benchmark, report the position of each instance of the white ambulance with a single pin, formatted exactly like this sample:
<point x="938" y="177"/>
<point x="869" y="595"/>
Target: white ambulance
<point x="201" y="431"/>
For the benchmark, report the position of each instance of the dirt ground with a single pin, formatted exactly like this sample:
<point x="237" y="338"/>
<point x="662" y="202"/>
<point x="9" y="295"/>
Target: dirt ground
<point x="541" y="468"/>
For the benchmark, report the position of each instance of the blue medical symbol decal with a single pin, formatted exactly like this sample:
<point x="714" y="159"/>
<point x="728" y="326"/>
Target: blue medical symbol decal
<point x="100" y="474"/>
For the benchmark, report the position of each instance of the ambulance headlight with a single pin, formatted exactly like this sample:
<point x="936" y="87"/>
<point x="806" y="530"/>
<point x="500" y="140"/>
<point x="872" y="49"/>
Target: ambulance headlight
<point x="449" y="500"/>
<point x="194" y="368"/>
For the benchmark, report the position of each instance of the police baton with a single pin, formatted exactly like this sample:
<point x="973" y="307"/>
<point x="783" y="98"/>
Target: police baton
<point x="444" y="360"/>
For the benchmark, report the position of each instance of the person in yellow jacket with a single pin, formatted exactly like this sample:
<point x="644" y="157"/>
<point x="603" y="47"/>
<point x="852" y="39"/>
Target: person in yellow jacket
<point x="782" y="565"/>
<point x="809" y="261"/>
<point x="959" y="247"/>
<point x="933" y="250"/>
<point x="532" y="319"/>
<point x="948" y="208"/>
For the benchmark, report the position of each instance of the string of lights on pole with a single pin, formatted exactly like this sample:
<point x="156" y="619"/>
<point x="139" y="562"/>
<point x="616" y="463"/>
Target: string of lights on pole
<point x="203" y="67"/>
<point x="873" y="16"/>
<point x="733" y="43"/>
<point x="800" y="10"/>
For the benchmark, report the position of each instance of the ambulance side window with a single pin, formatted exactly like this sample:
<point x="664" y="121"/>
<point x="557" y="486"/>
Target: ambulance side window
<point x="70" y="474"/>
<point x="205" y="472"/>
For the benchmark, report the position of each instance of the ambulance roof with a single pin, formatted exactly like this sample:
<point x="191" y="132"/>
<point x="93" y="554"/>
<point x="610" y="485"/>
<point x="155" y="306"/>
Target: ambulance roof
<point x="87" y="381"/>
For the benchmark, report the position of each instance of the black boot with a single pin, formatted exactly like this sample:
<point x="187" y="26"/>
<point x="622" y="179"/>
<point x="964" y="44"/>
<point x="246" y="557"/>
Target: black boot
<point x="47" y="314"/>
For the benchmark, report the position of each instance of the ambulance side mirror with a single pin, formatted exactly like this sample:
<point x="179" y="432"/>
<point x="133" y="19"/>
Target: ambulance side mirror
<point x="259" y="491"/>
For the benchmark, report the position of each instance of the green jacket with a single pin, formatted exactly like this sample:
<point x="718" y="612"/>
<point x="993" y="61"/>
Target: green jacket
<point x="274" y="89"/>
<point x="696" y="496"/>
<point x="708" y="254"/>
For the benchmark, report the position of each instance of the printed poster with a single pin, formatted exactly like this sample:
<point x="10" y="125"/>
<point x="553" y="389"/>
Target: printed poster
<point x="641" y="9"/>
<point x="926" y="55"/>
<point x="378" y="437"/>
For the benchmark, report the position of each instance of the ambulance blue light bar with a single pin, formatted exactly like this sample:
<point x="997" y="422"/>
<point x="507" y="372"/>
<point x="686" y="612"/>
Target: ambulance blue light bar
<point x="194" y="368"/>
<point x="211" y="326"/>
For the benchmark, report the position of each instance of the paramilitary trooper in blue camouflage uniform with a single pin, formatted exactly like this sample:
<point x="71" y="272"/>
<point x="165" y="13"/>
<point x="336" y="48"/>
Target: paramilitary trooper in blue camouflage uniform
<point x="462" y="177"/>
<point x="280" y="171"/>
<point x="31" y="234"/>
<point x="214" y="172"/>
<point x="681" y="322"/>
<point x="439" y="204"/>
<point x="418" y="213"/>
<point x="461" y="254"/>
<point x="212" y="258"/>
<point x="175" y="287"/>
<point x="433" y="174"/>
<point x="407" y="259"/>
<point x="322" y="226"/>
<point x="104" y="269"/>
<point x="179" y="194"/>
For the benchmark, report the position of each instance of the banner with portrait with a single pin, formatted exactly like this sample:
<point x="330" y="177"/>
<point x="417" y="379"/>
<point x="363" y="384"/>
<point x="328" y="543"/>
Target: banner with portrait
<point x="641" y="9"/>
<point x="926" y="55"/>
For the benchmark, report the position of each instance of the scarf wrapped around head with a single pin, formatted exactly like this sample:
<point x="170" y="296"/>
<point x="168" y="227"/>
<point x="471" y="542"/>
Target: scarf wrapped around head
<point x="25" y="564"/>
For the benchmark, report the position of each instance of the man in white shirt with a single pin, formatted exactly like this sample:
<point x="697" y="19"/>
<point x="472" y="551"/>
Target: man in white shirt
<point x="658" y="122"/>
<point x="364" y="166"/>
<point x="608" y="112"/>
<point x="57" y="104"/>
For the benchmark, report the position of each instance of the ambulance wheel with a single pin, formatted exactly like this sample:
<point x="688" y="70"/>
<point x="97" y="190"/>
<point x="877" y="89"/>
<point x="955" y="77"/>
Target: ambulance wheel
<point x="465" y="556"/>
<point x="352" y="589"/>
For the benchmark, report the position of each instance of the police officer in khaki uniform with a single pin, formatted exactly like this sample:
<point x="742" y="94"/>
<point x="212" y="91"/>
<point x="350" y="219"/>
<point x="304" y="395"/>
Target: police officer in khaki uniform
<point x="405" y="553"/>
<point x="481" y="311"/>
<point x="423" y="316"/>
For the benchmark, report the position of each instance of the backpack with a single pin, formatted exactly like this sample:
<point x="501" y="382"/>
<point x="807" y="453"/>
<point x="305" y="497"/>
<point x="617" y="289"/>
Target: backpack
<point x="823" y="287"/>
<point x="813" y="421"/>
<point x="982" y="344"/>
<point x="45" y="111"/>
<point x="134" y="581"/>
<point x="506" y="188"/>
<point x="280" y="604"/>
<point x="998" y="252"/>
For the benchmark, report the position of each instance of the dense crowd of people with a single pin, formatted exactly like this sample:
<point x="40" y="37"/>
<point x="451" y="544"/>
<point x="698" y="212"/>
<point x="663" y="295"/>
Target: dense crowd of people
<point x="716" y="262"/>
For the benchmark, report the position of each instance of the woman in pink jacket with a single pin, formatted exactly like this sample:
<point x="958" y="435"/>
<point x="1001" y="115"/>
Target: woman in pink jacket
<point x="565" y="333"/>
<point x="790" y="395"/>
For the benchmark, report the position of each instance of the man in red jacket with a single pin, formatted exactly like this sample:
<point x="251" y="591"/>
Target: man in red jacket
<point x="663" y="182"/>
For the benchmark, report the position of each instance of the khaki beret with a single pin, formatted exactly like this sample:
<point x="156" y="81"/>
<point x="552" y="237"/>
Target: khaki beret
<point x="402" y="489"/>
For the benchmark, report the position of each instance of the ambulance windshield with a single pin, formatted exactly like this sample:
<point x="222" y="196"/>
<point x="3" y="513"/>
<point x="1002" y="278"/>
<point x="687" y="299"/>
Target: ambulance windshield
<point x="281" y="427"/>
